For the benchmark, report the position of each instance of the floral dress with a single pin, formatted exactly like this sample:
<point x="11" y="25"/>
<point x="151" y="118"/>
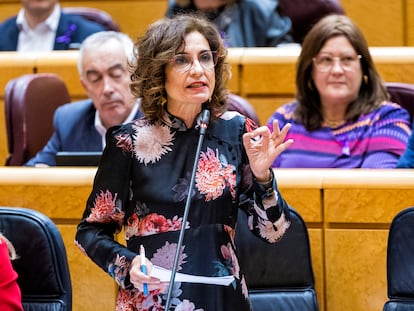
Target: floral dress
<point x="141" y="186"/>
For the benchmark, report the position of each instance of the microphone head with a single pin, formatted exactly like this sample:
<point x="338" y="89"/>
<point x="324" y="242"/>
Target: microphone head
<point x="204" y="120"/>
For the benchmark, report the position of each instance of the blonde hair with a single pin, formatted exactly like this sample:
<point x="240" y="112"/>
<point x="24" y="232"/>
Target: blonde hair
<point x="12" y="251"/>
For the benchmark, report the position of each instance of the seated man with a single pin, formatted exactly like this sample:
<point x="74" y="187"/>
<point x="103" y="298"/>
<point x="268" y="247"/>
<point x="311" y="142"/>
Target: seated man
<point x="42" y="26"/>
<point x="81" y="126"/>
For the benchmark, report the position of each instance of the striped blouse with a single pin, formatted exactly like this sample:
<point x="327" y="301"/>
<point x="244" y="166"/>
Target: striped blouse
<point x="375" y="140"/>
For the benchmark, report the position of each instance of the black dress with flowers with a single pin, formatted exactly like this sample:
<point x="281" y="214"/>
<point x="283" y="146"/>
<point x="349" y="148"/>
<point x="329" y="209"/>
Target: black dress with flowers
<point x="142" y="184"/>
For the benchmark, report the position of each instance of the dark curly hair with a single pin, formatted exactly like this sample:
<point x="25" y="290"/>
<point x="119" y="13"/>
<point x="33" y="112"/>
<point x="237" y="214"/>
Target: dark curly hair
<point x="372" y="91"/>
<point x="162" y="40"/>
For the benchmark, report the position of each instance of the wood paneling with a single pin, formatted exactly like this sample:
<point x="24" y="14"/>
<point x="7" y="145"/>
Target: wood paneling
<point x="348" y="213"/>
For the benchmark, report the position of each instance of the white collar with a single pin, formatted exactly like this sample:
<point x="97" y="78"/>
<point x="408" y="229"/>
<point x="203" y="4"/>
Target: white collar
<point x="98" y="122"/>
<point x="51" y="22"/>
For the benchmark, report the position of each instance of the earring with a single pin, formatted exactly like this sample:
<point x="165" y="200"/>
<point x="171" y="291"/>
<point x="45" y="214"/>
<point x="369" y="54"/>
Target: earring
<point x="365" y="77"/>
<point x="163" y="101"/>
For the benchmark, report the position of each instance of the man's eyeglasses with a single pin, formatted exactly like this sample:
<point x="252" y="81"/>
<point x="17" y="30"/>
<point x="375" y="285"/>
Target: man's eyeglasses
<point x="184" y="62"/>
<point x="324" y="63"/>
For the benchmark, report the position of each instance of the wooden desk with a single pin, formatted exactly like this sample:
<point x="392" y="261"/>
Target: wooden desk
<point x="348" y="213"/>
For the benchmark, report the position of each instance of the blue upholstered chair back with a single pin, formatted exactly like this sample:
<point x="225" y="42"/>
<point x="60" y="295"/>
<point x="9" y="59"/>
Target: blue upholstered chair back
<point x="279" y="276"/>
<point x="400" y="262"/>
<point x="42" y="266"/>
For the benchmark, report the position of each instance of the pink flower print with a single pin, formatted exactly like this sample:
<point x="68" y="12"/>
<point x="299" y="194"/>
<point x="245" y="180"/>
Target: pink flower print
<point x="267" y="229"/>
<point x="105" y="209"/>
<point x="211" y="177"/>
<point x="245" y="290"/>
<point x="228" y="254"/>
<point x="150" y="302"/>
<point x="153" y="223"/>
<point x="164" y="256"/>
<point x="186" y="305"/>
<point x="132" y="227"/>
<point x="119" y="269"/>
<point x="124" y="142"/>
<point x="126" y="300"/>
<point x="250" y="125"/>
<point x="151" y="142"/>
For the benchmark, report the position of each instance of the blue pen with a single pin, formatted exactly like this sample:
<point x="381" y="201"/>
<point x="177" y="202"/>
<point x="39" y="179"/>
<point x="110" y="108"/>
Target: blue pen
<point x="143" y="267"/>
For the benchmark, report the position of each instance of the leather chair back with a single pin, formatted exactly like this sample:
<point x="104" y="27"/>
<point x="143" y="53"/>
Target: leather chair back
<point x="402" y="94"/>
<point x="95" y="15"/>
<point x="279" y="276"/>
<point x="240" y="104"/>
<point x="30" y="102"/>
<point x="306" y="13"/>
<point x="400" y="259"/>
<point x="42" y="266"/>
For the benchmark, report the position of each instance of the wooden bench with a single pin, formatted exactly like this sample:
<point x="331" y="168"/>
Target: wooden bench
<point x="348" y="213"/>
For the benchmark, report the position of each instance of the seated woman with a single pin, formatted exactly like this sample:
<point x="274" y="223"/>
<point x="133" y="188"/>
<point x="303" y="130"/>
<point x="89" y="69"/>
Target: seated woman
<point x="342" y="116"/>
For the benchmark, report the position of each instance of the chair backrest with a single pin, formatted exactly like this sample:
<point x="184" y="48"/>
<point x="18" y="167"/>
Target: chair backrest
<point x="279" y="276"/>
<point x="95" y="15"/>
<point x="30" y="102"/>
<point x="305" y="13"/>
<point x="400" y="259"/>
<point x="402" y="94"/>
<point x="42" y="266"/>
<point x="240" y="104"/>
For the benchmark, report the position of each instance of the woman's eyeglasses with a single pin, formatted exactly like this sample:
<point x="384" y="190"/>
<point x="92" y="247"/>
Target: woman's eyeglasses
<point x="184" y="62"/>
<point x="324" y="63"/>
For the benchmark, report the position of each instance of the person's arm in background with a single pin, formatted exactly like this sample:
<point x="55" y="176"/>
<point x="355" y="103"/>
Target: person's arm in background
<point x="407" y="159"/>
<point x="10" y="295"/>
<point x="389" y="138"/>
<point x="263" y="25"/>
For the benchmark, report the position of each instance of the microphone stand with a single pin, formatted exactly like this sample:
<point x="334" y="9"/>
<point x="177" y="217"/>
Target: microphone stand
<point x="205" y="116"/>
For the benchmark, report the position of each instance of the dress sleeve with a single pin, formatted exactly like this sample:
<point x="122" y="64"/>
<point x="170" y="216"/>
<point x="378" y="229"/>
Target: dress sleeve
<point x="267" y="211"/>
<point x="105" y="208"/>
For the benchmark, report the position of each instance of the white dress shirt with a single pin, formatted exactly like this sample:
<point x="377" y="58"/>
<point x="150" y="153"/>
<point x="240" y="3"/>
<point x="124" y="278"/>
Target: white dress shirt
<point x="42" y="37"/>
<point x="102" y="130"/>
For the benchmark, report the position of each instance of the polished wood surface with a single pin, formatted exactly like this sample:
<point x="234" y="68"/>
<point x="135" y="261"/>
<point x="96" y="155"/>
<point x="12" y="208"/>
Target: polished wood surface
<point x="348" y="213"/>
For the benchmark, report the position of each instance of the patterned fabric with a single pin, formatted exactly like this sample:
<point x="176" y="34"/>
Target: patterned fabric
<point x="375" y="140"/>
<point x="142" y="185"/>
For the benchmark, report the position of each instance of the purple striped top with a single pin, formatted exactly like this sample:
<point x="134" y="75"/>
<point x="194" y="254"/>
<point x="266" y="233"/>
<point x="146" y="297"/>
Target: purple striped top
<point x="375" y="140"/>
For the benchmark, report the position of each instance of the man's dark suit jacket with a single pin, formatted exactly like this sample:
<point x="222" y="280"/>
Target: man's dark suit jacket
<point x="74" y="130"/>
<point x="71" y="31"/>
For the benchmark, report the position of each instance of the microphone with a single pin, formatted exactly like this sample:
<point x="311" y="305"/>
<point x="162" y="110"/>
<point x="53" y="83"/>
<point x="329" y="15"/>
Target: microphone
<point x="204" y="120"/>
<point x="203" y="124"/>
